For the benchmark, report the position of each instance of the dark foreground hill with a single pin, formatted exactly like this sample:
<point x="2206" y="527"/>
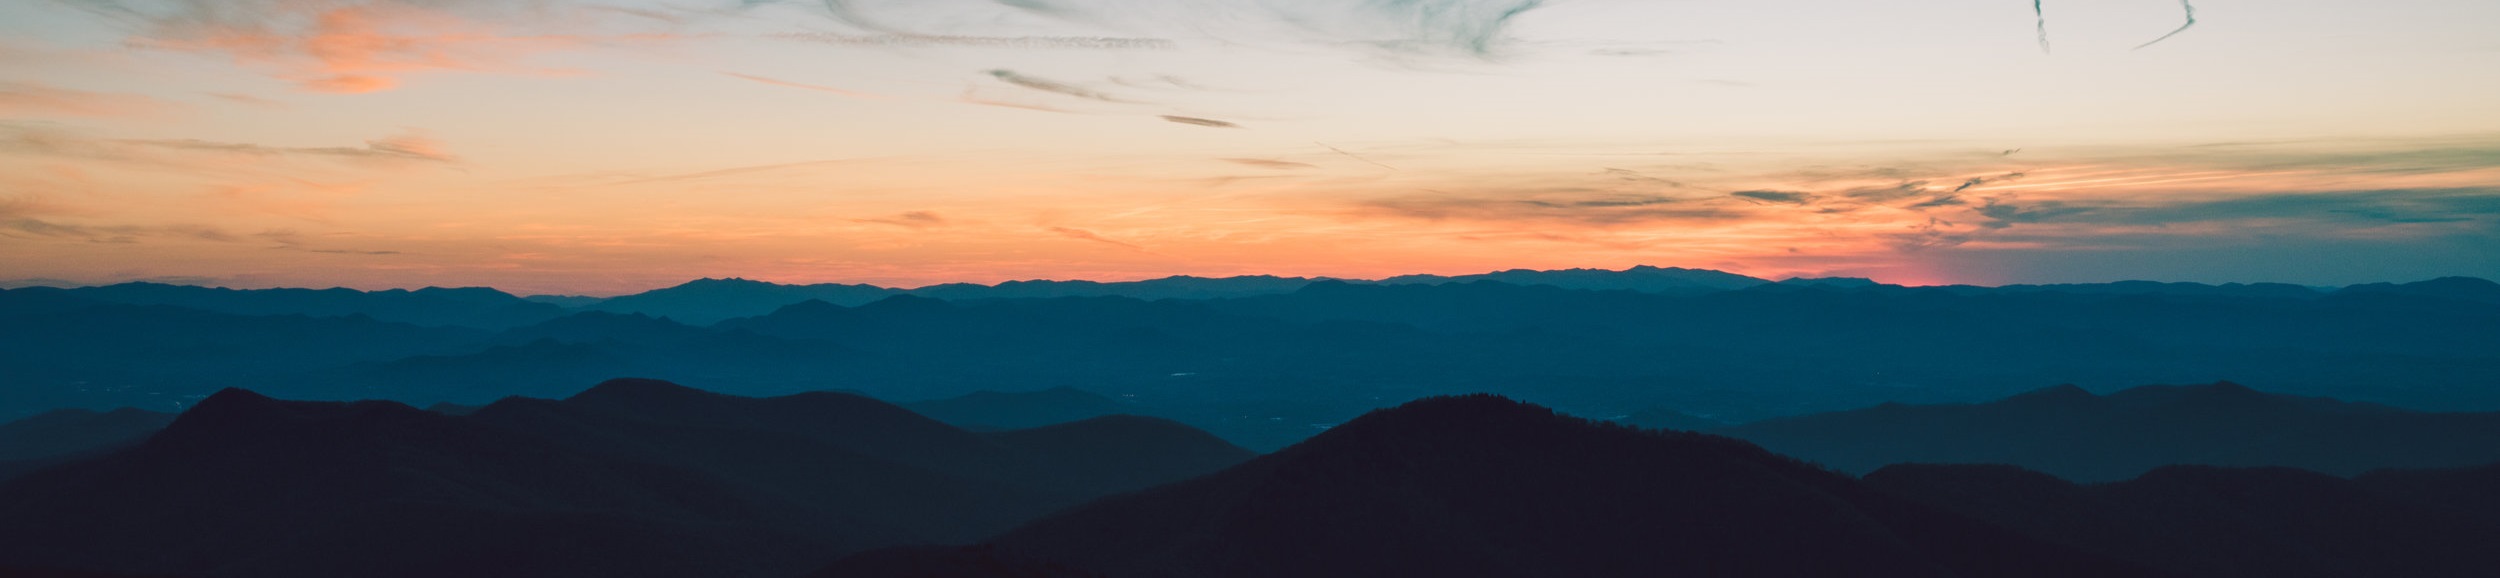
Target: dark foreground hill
<point x="2073" y="434"/>
<point x="2237" y="522"/>
<point x="61" y="435"/>
<point x="630" y="478"/>
<point x="1484" y="486"/>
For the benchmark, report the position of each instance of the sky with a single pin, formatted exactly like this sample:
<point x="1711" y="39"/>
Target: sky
<point x="612" y="146"/>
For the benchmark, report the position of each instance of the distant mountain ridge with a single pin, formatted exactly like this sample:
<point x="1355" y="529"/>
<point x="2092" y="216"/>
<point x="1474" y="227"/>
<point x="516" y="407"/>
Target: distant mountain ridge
<point x="2073" y="434"/>
<point x="1267" y="370"/>
<point x="707" y="301"/>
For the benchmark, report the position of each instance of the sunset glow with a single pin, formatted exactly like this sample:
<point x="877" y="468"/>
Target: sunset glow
<point x="573" y="146"/>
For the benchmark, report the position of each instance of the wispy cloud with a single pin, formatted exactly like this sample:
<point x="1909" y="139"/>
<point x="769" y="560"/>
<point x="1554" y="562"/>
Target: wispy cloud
<point x="1271" y="163"/>
<point x="908" y="220"/>
<point x="354" y="46"/>
<point x="1776" y="197"/>
<point x="973" y="96"/>
<point x="33" y="228"/>
<point x="1466" y="28"/>
<point x="1053" y="86"/>
<point x="1082" y="234"/>
<point x="1195" y="121"/>
<point x="406" y="147"/>
<point x="198" y="155"/>
<point x="801" y="85"/>
<point x="1364" y="160"/>
<point x="1007" y="42"/>
<point x="35" y="100"/>
<point x="1582" y="208"/>
<point x="1474" y="28"/>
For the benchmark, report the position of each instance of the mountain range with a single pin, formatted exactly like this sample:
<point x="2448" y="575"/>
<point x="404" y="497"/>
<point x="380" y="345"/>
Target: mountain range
<point x="2072" y="434"/>
<point x="629" y="478"/>
<point x="639" y="477"/>
<point x="1271" y="365"/>
<point x="1484" y="486"/>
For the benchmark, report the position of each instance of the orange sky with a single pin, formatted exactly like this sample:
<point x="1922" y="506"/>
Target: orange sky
<point x="605" y="147"/>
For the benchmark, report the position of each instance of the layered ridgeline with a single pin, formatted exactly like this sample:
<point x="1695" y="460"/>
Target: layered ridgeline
<point x="646" y="478"/>
<point x="1265" y="368"/>
<point x="2233" y="523"/>
<point x="629" y="478"/>
<point x="1484" y="486"/>
<point x="2064" y="431"/>
<point x="2073" y="434"/>
<point x="59" y="436"/>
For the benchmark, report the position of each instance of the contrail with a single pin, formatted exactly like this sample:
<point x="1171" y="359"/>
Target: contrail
<point x="2191" y="21"/>
<point x="1354" y="156"/>
<point x="2043" y="23"/>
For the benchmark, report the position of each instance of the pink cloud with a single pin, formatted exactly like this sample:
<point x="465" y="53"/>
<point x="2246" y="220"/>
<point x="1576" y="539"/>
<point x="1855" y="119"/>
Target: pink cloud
<point x="349" y="46"/>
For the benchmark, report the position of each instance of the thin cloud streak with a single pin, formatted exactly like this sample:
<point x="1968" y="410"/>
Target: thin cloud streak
<point x="804" y="86"/>
<point x="1085" y="235"/>
<point x="1052" y="86"/>
<point x="1006" y="42"/>
<point x="1195" y="121"/>
<point x="36" y="99"/>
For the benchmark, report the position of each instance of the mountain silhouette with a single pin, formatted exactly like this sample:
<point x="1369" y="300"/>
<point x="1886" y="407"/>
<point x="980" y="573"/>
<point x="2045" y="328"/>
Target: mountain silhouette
<point x="1642" y="278"/>
<point x="83" y="356"/>
<point x="1266" y="370"/>
<point x="1484" y="486"/>
<point x="992" y="410"/>
<point x="61" y="435"/>
<point x="629" y="478"/>
<point x="1832" y="282"/>
<point x="1180" y="287"/>
<point x="2223" y="522"/>
<point x="74" y="431"/>
<point x="432" y="306"/>
<point x="2456" y="288"/>
<point x="243" y="485"/>
<point x="708" y="301"/>
<point x="2073" y="434"/>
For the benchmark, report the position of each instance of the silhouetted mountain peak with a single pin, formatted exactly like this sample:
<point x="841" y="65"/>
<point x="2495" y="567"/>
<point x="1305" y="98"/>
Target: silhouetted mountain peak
<point x="708" y="282"/>
<point x="2464" y="288"/>
<point x="480" y="294"/>
<point x="235" y="412"/>
<point x="2216" y="395"/>
<point x="1832" y="282"/>
<point x="1455" y="414"/>
<point x="233" y="400"/>
<point x="640" y="391"/>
